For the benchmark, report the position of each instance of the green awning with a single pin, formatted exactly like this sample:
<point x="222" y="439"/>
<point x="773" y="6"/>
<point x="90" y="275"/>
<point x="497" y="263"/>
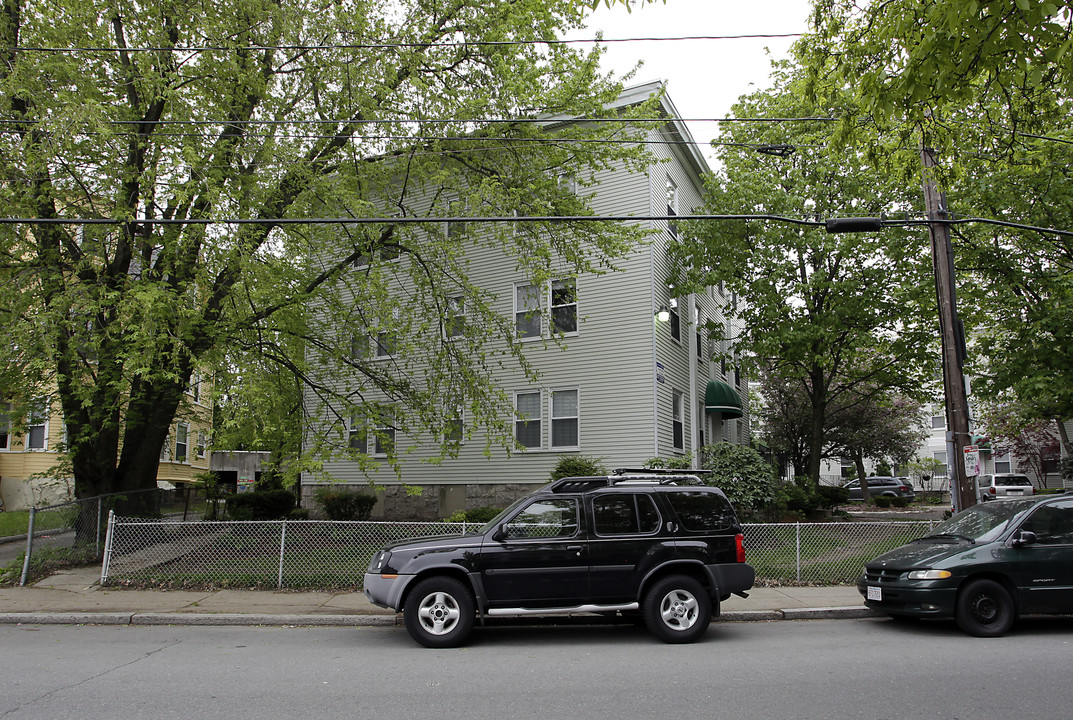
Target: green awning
<point x="721" y="398"/>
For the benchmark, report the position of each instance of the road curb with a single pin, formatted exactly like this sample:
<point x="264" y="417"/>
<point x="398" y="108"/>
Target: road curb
<point x="264" y="620"/>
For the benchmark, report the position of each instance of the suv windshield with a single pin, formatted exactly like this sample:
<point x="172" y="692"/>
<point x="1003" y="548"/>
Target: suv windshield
<point x="982" y="523"/>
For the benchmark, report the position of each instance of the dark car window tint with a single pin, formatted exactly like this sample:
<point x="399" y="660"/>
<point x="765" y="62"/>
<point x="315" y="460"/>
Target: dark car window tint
<point x="550" y="518"/>
<point x="1052" y="524"/>
<point x="702" y="511"/>
<point x="624" y="515"/>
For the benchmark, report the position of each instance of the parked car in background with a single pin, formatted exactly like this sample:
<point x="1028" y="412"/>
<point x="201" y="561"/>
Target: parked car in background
<point x="881" y="486"/>
<point x="984" y="567"/>
<point x="663" y="547"/>
<point x="1002" y="485"/>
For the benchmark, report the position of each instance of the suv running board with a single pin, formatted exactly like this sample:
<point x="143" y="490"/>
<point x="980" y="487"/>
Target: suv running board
<point x="502" y="612"/>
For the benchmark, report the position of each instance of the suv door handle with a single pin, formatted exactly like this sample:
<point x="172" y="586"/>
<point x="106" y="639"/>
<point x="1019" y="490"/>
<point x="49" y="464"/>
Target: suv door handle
<point x="578" y="548"/>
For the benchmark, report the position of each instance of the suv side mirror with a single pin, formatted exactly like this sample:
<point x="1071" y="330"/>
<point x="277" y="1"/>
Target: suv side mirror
<point x="1024" y="537"/>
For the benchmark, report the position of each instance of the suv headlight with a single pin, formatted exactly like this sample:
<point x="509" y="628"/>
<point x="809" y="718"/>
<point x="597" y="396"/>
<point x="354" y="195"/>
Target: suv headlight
<point x="929" y="574"/>
<point x="380" y="561"/>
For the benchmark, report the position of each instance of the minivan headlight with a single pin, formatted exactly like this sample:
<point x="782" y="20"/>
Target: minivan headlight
<point x="929" y="574"/>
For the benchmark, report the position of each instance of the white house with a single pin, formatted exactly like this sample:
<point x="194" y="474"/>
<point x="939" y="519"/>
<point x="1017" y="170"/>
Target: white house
<point x="636" y="378"/>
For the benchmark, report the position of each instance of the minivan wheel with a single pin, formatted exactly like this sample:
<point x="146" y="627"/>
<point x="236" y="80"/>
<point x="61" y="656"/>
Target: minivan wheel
<point x="984" y="609"/>
<point x="439" y="612"/>
<point x="677" y="609"/>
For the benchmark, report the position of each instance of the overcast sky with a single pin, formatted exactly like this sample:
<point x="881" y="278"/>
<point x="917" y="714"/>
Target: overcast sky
<point x="704" y="77"/>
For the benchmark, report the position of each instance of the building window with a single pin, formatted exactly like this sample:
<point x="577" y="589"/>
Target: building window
<point x="564" y="305"/>
<point x="456" y="230"/>
<point x="195" y="388"/>
<point x="702" y="424"/>
<point x="938" y="422"/>
<point x="384" y="440"/>
<point x="527" y="310"/>
<point x="202" y="441"/>
<point x="359" y="347"/>
<point x="385" y="345"/>
<point x="165" y="449"/>
<point x="182" y="434"/>
<point x="565" y="418"/>
<point x="672" y="206"/>
<point x="455" y="323"/>
<point x="698" y="321"/>
<point x="37" y="425"/>
<point x="1003" y="464"/>
<point x="676" y="321"/>
<point x="527" y="419"/>
<point x="5" y="426"/>
<point x="356" y="438"/>
<point x="677" y="424"/>
<point x="940" y="457"/>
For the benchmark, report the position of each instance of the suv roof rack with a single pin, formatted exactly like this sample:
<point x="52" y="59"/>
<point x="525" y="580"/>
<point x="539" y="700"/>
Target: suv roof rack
<point x="658" y="471"/>
<point x="625" y="476"/>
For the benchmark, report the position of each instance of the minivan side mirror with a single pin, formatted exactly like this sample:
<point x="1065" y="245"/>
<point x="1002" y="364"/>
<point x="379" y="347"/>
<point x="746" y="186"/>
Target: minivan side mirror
<point x="1024" y="537"/>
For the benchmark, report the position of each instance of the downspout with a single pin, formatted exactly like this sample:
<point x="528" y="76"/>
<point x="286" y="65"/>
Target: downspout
<point x="694" y="422"/>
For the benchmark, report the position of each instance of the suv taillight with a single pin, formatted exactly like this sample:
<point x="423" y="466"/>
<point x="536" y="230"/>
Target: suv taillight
<point x="903" y="488"/>
<point x="992" y="491"/>
<point x="739" y="543"/>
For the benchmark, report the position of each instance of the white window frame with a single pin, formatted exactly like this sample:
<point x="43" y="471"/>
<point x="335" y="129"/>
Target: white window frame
<point x="558" y="416"/>
<point x="384" y="434"/>
<point x="675" y="321"/>
<point x="455" y="321"/>
<point x="201" y="444"/>
<point x="530" y="314"/>
<point x="538" y="419"/>
<point x="454" y="424"/>
<point x="39" y="405"/>
<point x="182" y="438"/>
<point x="6" y="409"/>
<point x="356" y="437"/>
<point x="552" y="307"/>
<point x="672" y="205"/>
<point x="678" y="425"/>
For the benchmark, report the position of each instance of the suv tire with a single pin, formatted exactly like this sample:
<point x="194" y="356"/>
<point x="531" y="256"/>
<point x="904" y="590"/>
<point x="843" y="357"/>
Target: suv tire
<point x="439" y="612"/>
<point x="984" y="609"/>
<point x="677" y="609"/>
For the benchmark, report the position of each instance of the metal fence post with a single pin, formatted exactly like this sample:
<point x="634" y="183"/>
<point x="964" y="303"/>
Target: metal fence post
<point x="107" y="548"/>
<point x="797" y="543"/>
<point x="29" y="548"/>
<point x="282" y="544"/>
<point x="97" y="534"/>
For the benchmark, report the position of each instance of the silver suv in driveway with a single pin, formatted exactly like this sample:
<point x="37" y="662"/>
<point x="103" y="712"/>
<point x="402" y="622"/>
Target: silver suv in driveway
<point x="1003" y="485"/>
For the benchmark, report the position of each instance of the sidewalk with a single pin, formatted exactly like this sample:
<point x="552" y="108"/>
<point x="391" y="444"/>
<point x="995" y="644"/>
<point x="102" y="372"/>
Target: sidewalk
<point x="74" y="597"/>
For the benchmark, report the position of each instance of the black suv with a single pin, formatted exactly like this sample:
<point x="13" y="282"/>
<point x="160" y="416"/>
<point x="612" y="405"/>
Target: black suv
<point x="665" y="545"/>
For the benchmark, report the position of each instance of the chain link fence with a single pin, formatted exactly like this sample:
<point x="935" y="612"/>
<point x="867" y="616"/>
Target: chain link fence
<point x="313" y="554"/>
<point x="73" y="533"/>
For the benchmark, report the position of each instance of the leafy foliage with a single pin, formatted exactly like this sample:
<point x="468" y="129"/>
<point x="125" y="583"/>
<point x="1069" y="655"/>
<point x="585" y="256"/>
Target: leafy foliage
<point x="260" y="505"/>
<point x="127" y="149"/>
<point x="344" y="504"/>
<point x="577" y="466"/>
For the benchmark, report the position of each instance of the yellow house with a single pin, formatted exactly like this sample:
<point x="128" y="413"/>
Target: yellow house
<point x="28" y="459"/>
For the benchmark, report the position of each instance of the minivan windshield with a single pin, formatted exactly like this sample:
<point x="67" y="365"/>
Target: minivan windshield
<point x="983" y="522"/>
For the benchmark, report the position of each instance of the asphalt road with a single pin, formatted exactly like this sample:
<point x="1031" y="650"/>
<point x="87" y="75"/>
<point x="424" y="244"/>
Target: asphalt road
<point x="808" y="669"/>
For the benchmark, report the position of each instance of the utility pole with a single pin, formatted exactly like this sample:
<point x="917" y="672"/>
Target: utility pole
<point x="962" y="491"/>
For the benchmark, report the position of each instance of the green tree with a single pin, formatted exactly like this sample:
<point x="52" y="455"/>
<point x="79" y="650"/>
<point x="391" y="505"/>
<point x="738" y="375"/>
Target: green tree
<point x="132" y="131"/>
<point x="832" y="313"/>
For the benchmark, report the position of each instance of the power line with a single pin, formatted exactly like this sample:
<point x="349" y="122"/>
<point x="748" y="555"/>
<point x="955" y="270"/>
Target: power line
<point x="411" y="220"/>
<point x="391" y="45"/>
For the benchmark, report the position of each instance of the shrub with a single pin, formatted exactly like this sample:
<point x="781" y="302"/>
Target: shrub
<point x="882" y="501"/>
<point x="260" y="505"/>
<point x="899" y="502"/>
<point x="577" y="466"/>
<point x="739" y="470"/>
<point x="344" y="504"/>
<point x="476" y="515"/>
<point x="298" y="514"/>
<point x="831" y="496"/>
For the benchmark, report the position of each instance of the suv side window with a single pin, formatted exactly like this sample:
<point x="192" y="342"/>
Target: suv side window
<point x="702" y="511"/>
<point x="624" y="515"/>
<point x="548" y="518"/>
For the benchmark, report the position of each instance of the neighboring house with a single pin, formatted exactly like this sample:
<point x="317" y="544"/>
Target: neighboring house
<point x="638" y="377"/>
<point x="28" y="458"/>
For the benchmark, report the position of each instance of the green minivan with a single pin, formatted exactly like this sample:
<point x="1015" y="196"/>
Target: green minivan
<point x="984" y="567"/>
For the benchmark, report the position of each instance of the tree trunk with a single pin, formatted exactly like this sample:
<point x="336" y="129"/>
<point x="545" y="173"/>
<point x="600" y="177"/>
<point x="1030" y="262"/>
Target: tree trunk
<point x="858" y="460"/>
